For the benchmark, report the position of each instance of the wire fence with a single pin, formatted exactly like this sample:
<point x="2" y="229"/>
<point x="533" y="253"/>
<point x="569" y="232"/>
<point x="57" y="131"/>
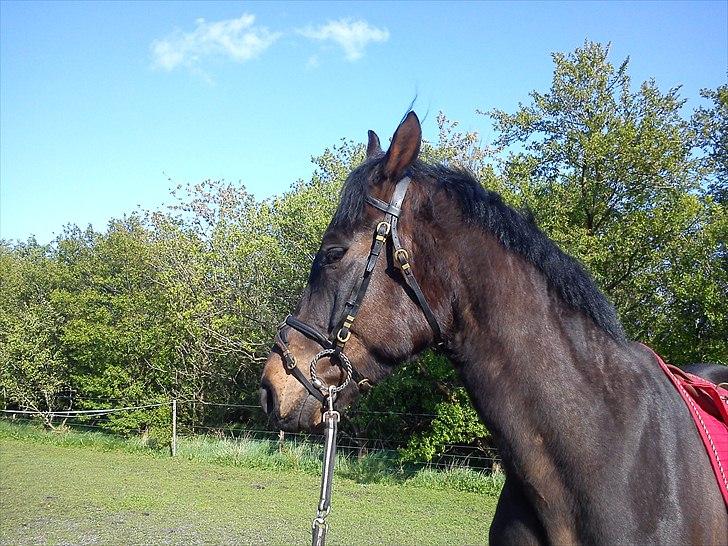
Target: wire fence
<point x="362" y="432"/>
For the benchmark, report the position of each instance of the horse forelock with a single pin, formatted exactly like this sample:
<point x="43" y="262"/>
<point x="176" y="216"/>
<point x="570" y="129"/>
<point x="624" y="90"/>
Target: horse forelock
<point x="353" y="194"/>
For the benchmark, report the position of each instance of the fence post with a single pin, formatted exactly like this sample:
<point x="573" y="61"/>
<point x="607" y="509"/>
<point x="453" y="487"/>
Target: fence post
<point x="174" y="427"/>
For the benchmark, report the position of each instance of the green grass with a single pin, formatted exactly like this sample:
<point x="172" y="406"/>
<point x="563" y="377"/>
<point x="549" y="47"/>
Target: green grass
<point x="306" y="457"/>
<point x="375" y="467"/>
<point x="72" y="438"/>
<point x="76" y="488"/>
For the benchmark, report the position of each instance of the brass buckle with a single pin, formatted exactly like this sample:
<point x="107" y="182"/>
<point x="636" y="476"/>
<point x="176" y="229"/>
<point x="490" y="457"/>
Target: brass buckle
<point x="343" y="339"/>
<point x="401" y="257"/>
<point x="289" y="358"/>
<point x="382" y="236"/>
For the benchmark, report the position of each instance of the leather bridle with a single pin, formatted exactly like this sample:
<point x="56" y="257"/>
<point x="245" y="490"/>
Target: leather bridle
<point x="333" y="346"/>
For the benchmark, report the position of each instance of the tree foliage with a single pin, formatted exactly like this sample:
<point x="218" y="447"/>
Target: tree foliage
<point x="711" y="127"/>
<point x="33" y="371"/>
<point x="611" y="175"/>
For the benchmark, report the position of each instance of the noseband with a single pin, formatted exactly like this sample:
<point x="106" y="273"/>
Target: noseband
<point x="333" y="346"/>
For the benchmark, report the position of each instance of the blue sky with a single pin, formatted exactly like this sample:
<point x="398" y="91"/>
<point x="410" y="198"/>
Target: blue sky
<point x="102" y="103"/>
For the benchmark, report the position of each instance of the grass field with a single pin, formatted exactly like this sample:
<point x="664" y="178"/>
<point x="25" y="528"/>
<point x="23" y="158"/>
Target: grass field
<point x="53" y="492"/>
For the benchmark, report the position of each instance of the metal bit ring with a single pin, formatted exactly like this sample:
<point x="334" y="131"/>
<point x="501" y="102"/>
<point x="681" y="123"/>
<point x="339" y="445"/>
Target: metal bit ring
<point x="345" y="363"/>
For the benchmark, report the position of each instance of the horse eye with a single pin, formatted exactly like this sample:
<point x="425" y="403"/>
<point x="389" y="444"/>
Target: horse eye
<point x="334" y="254"/>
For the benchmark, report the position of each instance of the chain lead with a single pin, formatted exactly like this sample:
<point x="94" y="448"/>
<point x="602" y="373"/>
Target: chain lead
<point x="331" y="418"/>
<point x="345" y="363"/>
<point x="319" y="529"/>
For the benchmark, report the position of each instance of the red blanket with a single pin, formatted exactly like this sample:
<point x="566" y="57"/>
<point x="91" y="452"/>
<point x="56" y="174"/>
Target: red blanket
<point x="708" y="405"/>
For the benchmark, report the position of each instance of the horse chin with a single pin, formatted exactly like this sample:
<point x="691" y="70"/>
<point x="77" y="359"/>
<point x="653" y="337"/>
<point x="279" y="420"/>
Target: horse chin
<point x="305" y="418"/>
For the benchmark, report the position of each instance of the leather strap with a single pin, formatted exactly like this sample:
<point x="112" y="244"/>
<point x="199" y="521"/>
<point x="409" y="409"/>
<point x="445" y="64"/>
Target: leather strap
<point x="384" y="207"/>
<point x="289" y="362"/>
<point x="281" y="341"/>
<point x="307" y="331"/>
<point x="298" y="374"/>
<point x="383" y="230"/>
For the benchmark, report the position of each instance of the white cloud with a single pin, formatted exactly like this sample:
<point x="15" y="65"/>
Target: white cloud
<point x="352" y="36"/>
<point x="239" y="39"/>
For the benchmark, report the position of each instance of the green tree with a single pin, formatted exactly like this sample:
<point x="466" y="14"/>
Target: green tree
<point x="33" y="373"/>
<point x="711" y="127"/>
<point x="114" y="337"/>
<point x="610" y="174"/>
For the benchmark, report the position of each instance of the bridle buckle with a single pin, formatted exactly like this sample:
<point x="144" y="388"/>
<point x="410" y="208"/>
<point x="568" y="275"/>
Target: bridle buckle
<point x="383" y="229"/>
<point x="289" y="361"/>
<point x="343" y="338"/>
<point x="401" y="258"/>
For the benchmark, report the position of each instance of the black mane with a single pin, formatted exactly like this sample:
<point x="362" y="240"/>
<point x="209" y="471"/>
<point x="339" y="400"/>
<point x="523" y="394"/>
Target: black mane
<point x="514" y="229"/>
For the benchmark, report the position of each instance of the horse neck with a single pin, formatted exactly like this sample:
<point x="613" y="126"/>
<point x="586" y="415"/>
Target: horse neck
<point x="505" y="306"/>
<point x="584" y="421"/>
<point x="529" y="361"/>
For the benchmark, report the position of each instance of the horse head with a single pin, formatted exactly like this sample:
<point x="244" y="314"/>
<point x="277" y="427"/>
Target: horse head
<point x="372" y="298"/>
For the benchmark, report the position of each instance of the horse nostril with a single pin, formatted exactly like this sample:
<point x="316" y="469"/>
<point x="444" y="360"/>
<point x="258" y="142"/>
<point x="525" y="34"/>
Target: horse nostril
<point x="267" y="398"/>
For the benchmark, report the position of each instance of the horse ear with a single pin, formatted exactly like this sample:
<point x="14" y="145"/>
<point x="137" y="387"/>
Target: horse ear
<point x="373" y="146"/>
<point x="404" y="148"/>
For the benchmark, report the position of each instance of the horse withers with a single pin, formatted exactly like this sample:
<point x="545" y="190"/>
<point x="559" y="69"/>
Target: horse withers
<point x="598" y="447"/>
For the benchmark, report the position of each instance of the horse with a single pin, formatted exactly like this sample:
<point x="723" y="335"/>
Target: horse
<point x="715" y="373"/>
<point x="597" y="445"/>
